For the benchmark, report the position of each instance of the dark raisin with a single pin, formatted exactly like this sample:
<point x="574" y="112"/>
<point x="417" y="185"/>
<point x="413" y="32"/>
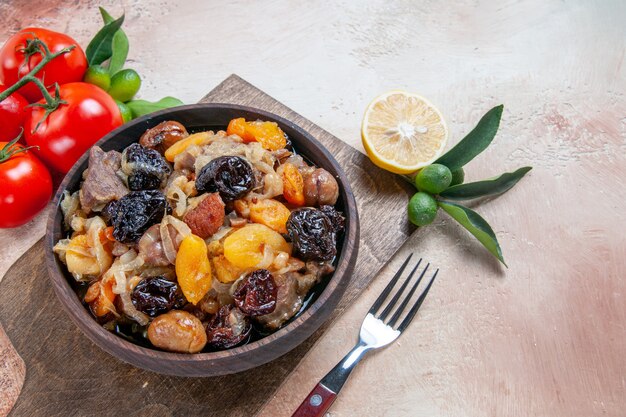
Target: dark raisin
<point x="146" y="168"/>
<point x="336" y="218"/>
<point x="312" y="234"/>
<point x="136" y="212"/>
<point x="155" y="295"/>
<point x="228" y="328"/>
<point x="231" y="176"/>
<point x="256" y="294"/>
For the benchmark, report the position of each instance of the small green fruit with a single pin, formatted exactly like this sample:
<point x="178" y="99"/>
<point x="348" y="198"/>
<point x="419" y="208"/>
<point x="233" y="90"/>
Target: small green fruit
<point x="458" y="176"/>
<point x="127" y="114"/>
<point x="124" y="85"/>
<point x="98" y="76"/>
<point x="422" y="209"/>
<point x="433" y="179"/>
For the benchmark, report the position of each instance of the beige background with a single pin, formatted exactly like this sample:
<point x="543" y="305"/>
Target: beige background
<point x="545" y="337"/>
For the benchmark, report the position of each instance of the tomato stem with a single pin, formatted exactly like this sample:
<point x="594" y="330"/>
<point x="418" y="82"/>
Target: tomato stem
<point x="12" y="148"/>
<point x="32" y="47"/>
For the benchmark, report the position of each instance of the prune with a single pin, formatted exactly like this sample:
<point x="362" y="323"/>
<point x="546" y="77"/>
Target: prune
<point x="163" y="135"/>
<point x="231" y="176"/>
<point x="312" y="234"/>
<point x="146" y="168"/>
<point x="336" y="218"/>
<point x="228" y="328"/>
<point x="136" y="212"/>
<point x="155" y="295"/>
<point x="108" y="211"/>
<point x="256" y="294"/>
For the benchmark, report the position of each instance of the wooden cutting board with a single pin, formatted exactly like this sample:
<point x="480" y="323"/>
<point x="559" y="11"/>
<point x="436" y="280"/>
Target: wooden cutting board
<point x="67" y="375"/>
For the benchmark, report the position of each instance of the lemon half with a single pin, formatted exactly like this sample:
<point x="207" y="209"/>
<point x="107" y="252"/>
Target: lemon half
<point x="403" y="132"/>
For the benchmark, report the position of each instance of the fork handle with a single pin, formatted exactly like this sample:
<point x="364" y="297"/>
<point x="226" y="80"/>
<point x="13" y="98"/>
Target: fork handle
<point x="323" y="395"/>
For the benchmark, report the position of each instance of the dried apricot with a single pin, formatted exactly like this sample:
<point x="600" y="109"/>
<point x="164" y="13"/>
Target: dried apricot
<point x="293" y="185"/>
<point x="271" y="213"/>
<point x="224" y="270"/>
<point x="239" y="127"/>
<point x="268" y="134"/>
<point x="100" y="297"/>
<point x="245" y="247"/>
<point x="179" y="147"/>
<point x="193" y="268"/>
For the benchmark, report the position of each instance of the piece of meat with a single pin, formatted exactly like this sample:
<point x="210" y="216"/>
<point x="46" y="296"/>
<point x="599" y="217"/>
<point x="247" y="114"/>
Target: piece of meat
<point x="185" y="161"/>
<point x="150" y="245"/>
<point x="101" y="183"/>
<point x="288" y="302"/>
<point x="293" y="287"/>
<point x="207" y="217"/>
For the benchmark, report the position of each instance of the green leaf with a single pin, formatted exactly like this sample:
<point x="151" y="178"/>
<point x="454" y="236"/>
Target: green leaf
<point x="119" y="46"/>
<point x="141" y="107"/>
<point x="476" y="225"/>
<point x="497" y="185"/>
<point x="475" y="142"/>
<point x="101" y="46"/>
<point x="106" y="16"/>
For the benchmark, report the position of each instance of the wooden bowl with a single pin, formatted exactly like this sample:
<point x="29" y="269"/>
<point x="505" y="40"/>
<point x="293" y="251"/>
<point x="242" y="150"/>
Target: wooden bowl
<point x="201" y="117"/>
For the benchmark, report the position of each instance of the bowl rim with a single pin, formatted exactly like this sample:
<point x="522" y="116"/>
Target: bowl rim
<point x="114" y="344"/>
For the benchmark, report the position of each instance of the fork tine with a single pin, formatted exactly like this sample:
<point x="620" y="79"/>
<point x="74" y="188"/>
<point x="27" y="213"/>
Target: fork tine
<point x="417" y="305"/>
<point x="406" y="300"/>
<point x="381" y="298"/>
<point x="398" y="293"/>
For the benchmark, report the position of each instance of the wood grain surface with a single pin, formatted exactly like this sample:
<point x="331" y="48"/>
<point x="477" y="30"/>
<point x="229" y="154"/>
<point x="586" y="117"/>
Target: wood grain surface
<point x="542" y="338"/>
<point x="76" y="365"/>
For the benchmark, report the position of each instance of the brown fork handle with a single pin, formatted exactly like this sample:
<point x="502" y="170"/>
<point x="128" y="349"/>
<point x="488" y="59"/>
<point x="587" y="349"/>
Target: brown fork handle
<point x="316" y="403"/>
<point x="323" y="395"/>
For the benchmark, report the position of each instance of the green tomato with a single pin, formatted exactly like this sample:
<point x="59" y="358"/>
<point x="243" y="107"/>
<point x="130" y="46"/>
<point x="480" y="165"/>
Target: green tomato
<point x="422" y="209"/>
<point x="98" y="76"/>
<point x="124" y="85"/>
<point x="433" y="178"/>
<point x="127" y="114"/>
<point x="458" y="176"/>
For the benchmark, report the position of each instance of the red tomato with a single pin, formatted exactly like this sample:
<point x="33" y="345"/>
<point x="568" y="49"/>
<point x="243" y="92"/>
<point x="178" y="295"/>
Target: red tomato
<point x="12" y="115"/>
<point x="63" y="69"/>
<point x="73" y="128"/>
<point x="26" y="186"/>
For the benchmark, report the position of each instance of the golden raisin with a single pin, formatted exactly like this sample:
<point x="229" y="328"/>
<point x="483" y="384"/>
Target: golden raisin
<point x="193" y="269"/>
<point x="271" y="213"/>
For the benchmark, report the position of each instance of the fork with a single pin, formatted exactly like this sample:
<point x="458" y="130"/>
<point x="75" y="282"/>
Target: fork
<point x="377" y="331"/>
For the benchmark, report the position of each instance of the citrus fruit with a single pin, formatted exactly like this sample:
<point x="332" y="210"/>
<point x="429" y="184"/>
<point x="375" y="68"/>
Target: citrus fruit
<point x="458" y="176"/>
<point x="433" y="179"/>
<point x="403" y="132"/>
<point x="422" y="209"/>
<point x="98" y="76"/>
<point x="124" y="85"/>
<point x="127" y="115"/>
